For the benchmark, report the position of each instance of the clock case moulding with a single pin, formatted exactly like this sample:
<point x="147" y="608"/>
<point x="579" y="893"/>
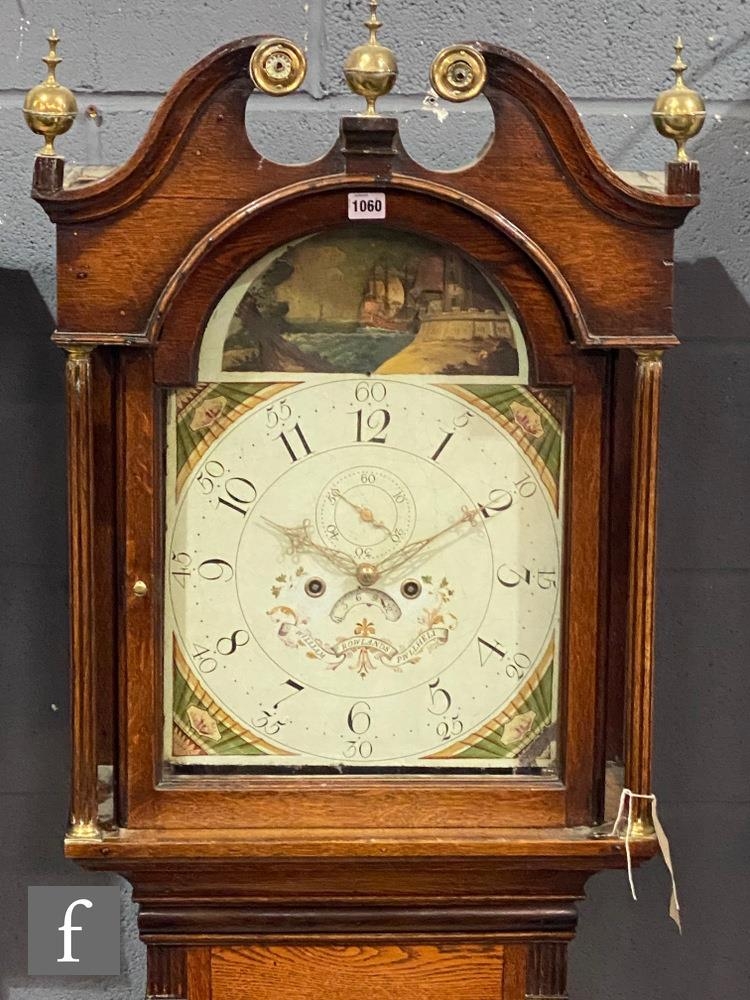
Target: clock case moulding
<point x="302" y="879"/>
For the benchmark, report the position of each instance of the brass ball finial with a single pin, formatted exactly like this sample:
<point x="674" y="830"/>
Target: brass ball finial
<point x="50" y="109"/>
<point x="371" y="69"/>
<point x="679" y="112"/>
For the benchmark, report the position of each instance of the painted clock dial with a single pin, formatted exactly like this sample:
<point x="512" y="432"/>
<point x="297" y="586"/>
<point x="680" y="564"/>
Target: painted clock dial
<point x="363" y="572"/>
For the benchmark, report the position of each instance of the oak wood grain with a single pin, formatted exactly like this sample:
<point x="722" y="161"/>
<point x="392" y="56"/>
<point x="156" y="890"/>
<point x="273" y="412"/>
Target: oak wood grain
<point x="83" y="820"/>
<point x="515" y="959"/>
<point x="505" y="844"/>
<point x="602" y="232"/>
<point x="104" y="568"/>
<point x="198" y="962"/>
<point x="641" y="590"/>
<point x="359" y="972"/>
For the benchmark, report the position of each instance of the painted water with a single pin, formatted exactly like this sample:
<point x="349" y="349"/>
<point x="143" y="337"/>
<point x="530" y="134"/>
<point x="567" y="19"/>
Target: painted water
<point x="363" y="349"/>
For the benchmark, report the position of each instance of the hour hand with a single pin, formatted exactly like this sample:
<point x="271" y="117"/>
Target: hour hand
<point x="300" y="540"/>
<point x="397" y="559"/>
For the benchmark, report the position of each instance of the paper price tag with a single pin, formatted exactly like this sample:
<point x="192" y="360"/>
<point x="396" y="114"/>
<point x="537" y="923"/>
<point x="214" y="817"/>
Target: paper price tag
<point x="367" y="205"/>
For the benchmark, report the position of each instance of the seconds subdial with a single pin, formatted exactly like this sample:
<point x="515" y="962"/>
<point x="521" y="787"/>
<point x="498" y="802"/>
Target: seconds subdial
<point x="366" y="511"/>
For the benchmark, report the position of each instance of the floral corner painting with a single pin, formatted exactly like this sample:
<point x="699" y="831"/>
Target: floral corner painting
<point x="366" y="299"/>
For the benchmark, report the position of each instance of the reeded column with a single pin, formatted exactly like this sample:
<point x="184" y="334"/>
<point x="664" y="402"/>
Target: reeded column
<point x="83" y="797"/>
<point x="547" y="971"/>
<point x="166" y="972"/>
<point x="640" y="649"/>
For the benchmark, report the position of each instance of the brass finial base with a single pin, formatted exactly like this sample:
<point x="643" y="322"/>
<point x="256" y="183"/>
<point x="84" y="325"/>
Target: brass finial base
<point x="371" y="69"/>
<point x="50" y="109"/>
<point x="84" y="830"/>
<point x="679" y="113"/>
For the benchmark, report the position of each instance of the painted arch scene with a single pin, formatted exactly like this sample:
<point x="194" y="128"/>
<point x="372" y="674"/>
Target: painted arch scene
<point x="364" y="298"/>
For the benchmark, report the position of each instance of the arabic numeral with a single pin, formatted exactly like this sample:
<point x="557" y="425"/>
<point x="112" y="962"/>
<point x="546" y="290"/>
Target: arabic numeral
<point x="518" y="667"/>
<point x="358" y="720"/>
<point x="268" y="722"/>
<point x="278" y="413"/>
<point x="296" y="439"/>
<point x="511" y="577"/>
<point x="457" y="424"/>
<point x="367" y="206"/>
<point x="441" y="704"/>
<point x="526" y="487"/>
<point x="376" y="421"/>
<point x="182" y="561"/>
<point x="236" y="492"/>
<point x="440" y="700"/>
<point x="206" y="662"/>
<point x="449" y="727"/>
<point x="229" y="644"/>
<point x="209" y="475"/>
<point x="488" y="649"/>
<point x="375" y="391"/>
<point x="499" y="500"/>
<point x="439" y="450"/>
<point x="358" y="748"/>
<point x="225" y="646"/>
<point x="240" y="493"/>
<point x="294" y="687"/>
<point x="216" y="569"/>
<point x="209" y="569"/>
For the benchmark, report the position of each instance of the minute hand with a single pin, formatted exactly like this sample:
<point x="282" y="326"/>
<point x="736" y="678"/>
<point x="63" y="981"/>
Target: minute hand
<point x="300" y="541"/>
<point x="408" y="552"/>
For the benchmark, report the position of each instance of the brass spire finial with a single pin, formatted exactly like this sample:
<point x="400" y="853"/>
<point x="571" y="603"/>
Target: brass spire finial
<point x="679" y="112"/>
<point x="371" y="69"/>
<point x="50" y="109"/>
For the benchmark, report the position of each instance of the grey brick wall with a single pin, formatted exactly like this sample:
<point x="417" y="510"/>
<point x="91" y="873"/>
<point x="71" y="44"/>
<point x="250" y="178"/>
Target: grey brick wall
<point x="121" y="56"/>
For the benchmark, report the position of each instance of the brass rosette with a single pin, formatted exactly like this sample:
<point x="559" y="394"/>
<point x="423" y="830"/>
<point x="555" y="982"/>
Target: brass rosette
<point x="278" y="66"/>
<point x="458" y="73"/>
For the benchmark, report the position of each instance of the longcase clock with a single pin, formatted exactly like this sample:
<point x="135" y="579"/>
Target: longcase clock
<point x="362" y="506"/>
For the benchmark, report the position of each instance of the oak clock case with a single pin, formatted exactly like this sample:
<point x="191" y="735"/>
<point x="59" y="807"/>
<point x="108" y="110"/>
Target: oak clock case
<point x="362" y="526"/>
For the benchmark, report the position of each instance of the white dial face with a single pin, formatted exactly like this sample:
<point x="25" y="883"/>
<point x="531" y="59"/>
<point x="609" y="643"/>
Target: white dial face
<point x="363" y="573"/>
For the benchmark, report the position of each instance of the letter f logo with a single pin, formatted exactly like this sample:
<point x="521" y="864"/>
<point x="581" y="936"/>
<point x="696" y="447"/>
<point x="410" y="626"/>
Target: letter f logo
<point x="67" y="929"/>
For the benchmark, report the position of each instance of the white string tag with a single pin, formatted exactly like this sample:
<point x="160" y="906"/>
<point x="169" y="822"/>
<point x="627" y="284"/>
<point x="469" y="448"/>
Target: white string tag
<point x="661" y="839"/>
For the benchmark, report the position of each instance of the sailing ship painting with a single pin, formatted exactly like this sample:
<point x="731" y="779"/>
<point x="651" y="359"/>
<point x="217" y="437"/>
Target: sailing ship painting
<point x="366" y="299"/>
